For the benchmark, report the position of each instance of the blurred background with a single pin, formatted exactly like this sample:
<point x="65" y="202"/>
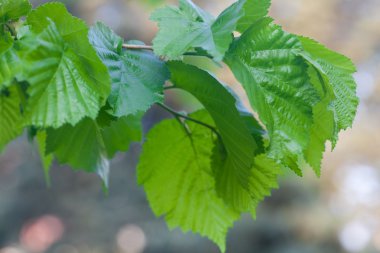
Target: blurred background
<point x="340" y="212"/>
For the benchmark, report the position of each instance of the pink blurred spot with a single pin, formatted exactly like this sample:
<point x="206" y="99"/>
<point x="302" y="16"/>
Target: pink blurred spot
<point x="38" y="235"/>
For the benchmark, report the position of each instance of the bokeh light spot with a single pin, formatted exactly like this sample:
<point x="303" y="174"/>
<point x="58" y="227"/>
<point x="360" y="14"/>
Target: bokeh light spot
<point x="38" y="235"/>
<point x="131" y="239"/>
<point x="355" y="236"/>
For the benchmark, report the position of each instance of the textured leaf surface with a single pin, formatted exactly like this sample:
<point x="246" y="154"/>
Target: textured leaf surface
<point x="67" y="79"/>
<point x="82" y="147"/>
<point x="275" y="78"/>
<point x="13" y="9"/>
<point x="232" y="178"/>
<point x="331" y="74"/>
<point x="10" y="116"/>
<point x="189" y="27"/>
<point x="253" y="11"/>
<point x="137" y="76"/>
<point x="9" y="62"/>
<point x="119" y="135"/>
<point x="88" y="145"/>
<point x="178" y="179"/>
<point x="338" y="70"/>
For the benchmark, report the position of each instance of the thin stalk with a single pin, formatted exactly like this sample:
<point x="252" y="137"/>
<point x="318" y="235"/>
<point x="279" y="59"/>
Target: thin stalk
<point x="147" y="47"/>
<point x="137" y="47"/>
<point x="180" y="115"/>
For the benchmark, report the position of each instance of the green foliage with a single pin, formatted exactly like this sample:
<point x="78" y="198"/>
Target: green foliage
<point x="9" y="62"/>
<point x="253" y="11"/>
<point x="137" y="76"/>
<point x="264" y="59"/>
<point x="10" y="116"/>
<point x="12" y="10"/>
<point x="82" y="94"/>
<point x="67" y="80"/>
<point x="233" y="176"/>
<point x="179" y="182"/>
<point x="189" y="27"/>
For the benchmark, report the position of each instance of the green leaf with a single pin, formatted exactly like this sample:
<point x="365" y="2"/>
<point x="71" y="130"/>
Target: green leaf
<point x="6" y="41"/>
<point x="137" y="76"/>
<point x="175" y="170"/>
<point x="338" y="70"/>
<point x="189" y="27"/>
<point x="253" y="11"/>
<point x="119" y="135"/>
<point x="10" y="115"/>
<point x="67" y="79"/>
<point x="264" y="59"/>
<point x="257" y="131"/>
<point x="232" y="180"/>
<point x="11" y="10"/>
<point x="82" y="147"/>
<point x="9" y="66"/>
<point x="88" y="145"/>
<point x="331" y="74"/>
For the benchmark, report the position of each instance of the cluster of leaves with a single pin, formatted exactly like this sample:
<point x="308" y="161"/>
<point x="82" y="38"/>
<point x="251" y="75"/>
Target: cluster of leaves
<point x="81" y="93"/>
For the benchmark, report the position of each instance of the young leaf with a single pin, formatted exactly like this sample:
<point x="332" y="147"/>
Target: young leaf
<point x="88" y="146"/>
<point x="11" y="10"/>
<point x="67" y="79"/>
<point x="264" y="59"/>
<point x="232" y="179"/>
<point x="82" y="147"/>
<point x="119" y="135"/>
<point x="331" y="74"/>
<point x="137" y="76"/>
<point x="9" y="62"/>
<point x="189" y="27"/>
<point x="253" y="11"/>
<point x="337" y="70"/>
<point x="10" y="115"/>
<point x="175" y="170"/>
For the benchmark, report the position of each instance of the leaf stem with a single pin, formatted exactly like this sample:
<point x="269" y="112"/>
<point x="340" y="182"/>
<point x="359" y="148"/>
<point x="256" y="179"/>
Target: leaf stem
<point x="137" y="47"/>
<point x="147" y="47"/>
<point x="180" y="115"/>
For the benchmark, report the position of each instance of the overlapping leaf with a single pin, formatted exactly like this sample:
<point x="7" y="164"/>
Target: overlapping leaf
<point x="11" y="10"/>
<point x="67" y="79"/>
<point x="331" y="74"/>
<point x="337" y="70"/>
<point x="10" y="116"/>
<point x="9" y="62"/>
<point x="82" y="147"/>
<point x="264" y="59"/>
<point x="253" y="11"/>
<point x="137" y="76"/>
<point x="119" y="135"/>
<point x="179" y="182"/>
<point x="232" y="178"/>
<point x="88" y="146"/>
<point x="188" y="27"/>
